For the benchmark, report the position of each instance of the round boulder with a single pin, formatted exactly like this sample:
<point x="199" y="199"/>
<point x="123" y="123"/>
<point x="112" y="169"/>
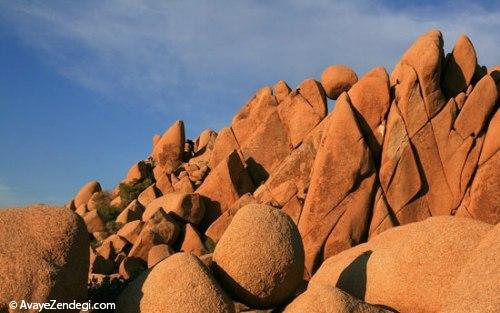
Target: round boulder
<point x="44" y="255"/>
<point x="260" y="257"/>
<point x="323" y="299"/>
<point x="84" y="195"/>
<point x="404" y="265"/>
<point x="180" y="283"/>
<point x="476" y="288"/>
<point x="336" y="79"/>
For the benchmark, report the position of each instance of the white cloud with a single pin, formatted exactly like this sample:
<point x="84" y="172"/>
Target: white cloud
<point x="180" y="55"/>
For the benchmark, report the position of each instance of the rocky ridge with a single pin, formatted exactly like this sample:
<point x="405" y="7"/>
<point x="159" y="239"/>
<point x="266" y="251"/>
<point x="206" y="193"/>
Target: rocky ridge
<point x="289" y="188"/>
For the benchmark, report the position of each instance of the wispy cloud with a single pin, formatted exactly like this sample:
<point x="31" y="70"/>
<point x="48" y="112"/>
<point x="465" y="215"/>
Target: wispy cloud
<point x="177" y="56"/>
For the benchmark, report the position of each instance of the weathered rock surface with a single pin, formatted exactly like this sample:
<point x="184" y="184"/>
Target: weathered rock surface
<point x="259" y="259"/>
<point x="336" y="79"/>
<point x="404" y="265"/>
<point x="329" y="299"/>
<point x="166" y="288"/>
<point x="44" y="255"/>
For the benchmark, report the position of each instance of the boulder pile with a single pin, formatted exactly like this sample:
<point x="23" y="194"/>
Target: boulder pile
<point x="392" y="195"/>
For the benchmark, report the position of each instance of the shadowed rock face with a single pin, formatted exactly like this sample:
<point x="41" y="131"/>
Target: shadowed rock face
<point x="44" y="254"/>
<point x="396" y="149"/>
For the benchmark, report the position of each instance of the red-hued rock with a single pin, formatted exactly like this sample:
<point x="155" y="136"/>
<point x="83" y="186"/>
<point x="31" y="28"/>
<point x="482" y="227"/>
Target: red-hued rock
<point x="158" y="253"/>
<point x="192" y="241"/>
<point x="188" y="207"/>
<point x="298" y="117"/>
<point x="138" y="172"/>
<point x="281" y="90"/>
<point x="336" y="209"/>
<point x="336" y="79"/>
<point x="314" y="93"/>
<point x="147" y="195"/>
<point x="460" y="67"/>
<point x="168" y="152"/>
<point x="83" y="196"/>
<point x="223" y="186"/>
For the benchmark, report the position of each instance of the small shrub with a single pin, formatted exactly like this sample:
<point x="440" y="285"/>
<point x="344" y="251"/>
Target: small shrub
<point x="210" y="244"/>
<point x="106" y="291"/>
<point x="112" y="227"/>
<point x="129" y="192"/>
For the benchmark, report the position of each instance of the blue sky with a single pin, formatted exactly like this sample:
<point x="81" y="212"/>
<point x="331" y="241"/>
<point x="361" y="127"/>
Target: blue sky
<point x="84" y="85"/>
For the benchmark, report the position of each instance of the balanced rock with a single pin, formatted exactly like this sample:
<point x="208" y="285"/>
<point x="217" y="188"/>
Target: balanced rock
<point x="336" y="79"/>
<point x="44" y="255"/>
<point x="180" y="283"/>
<point x="260" y="258"/>
<point x="404" y="265"/>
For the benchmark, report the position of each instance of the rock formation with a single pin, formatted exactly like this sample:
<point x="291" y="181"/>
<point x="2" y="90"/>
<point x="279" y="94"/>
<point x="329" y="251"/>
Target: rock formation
<point x="400" y="175"/>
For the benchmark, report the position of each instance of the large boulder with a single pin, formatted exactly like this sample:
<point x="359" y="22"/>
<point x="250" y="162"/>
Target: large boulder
<point x="336" y="79"/>
<point x="329" y="299"/>
<point x="260" y="258"/>
<point x="410" y="268"/>
<point x="180" y="283"/>
<point x="44" y="255"/>
<point x="476" y="289"/>
<point x="85" y="193"/>
<point x="168" y="151"/>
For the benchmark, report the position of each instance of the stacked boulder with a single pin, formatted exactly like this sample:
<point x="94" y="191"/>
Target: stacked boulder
<point x="395" y="149"/>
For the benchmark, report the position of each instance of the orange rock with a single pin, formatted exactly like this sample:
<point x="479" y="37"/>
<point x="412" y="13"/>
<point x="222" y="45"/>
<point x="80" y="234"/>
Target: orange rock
<point x="322" y="299"/>
<point x="336" y="207"/>
<point x="192" y="242"/>
<point x="164" y="185"/>
<point x="118" y="243"/>
<point x="137" y="172"/>
<point x="293" y="208"/>
<point x="187" y="207"/>
<point x="314" y="93"/>
<point x="204" y="141"/>
<point x="184" y="185"/>
<point x="131" y="213"/>
<point x="371" y="99"/>
<point x="158" y="253"/>
<point x="223" y="186"/>
<point x="82" y="210"/>
<point x="267" y="146"/>
<point x="44" y="256"/>
<point x="403" y="265"/>
<point x="106" y="250"/>
<point x="189" y="287"/>
<point x="93" y="221"/>
<point x="477" y="108"/>
<point x="223" y="146"/>
<point x="259" y="259"/>
<point x="131" y="267"/>
<point x="131" y="231"/>
<point x="253" y="113"/>
<point x="147" y="195"/>
<point x="167" y="153"/>
<point x="83" y="196"/>
<point x="425" y="56"/>
<point x="219" y="226"/>
<point x="337" y="79"/>
<point x="281" y="90"/>
<point x="292" y="176"/>
<point x="460" y="67"/>
<point x="298" y="117"/>
<point x="476" y="288"/>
